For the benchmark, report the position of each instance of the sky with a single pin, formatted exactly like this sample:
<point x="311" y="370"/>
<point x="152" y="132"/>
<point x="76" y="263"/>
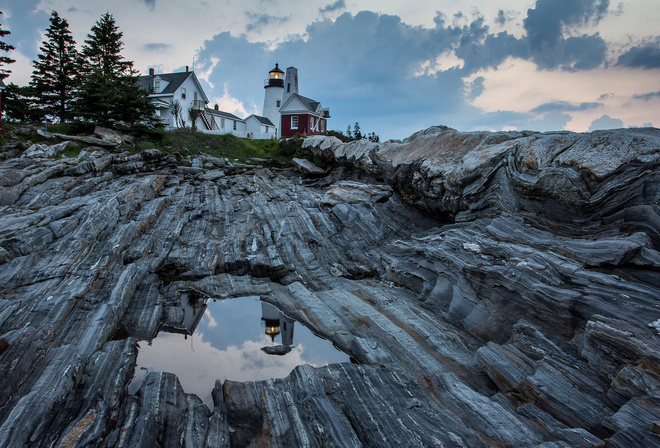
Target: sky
<point x="394" y="66"/>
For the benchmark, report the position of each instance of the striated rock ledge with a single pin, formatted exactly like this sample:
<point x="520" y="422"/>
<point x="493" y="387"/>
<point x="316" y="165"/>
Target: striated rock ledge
<point x="494" y="289"/>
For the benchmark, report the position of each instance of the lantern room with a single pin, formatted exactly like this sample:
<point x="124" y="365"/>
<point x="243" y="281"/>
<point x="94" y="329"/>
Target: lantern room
<point x="275" y="77"/>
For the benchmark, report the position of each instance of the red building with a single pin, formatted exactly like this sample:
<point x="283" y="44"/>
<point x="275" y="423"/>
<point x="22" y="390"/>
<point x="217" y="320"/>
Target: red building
<point x="301" y="115"/>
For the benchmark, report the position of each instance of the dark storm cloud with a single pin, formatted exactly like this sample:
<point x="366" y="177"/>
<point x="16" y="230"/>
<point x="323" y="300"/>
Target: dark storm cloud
<point x="545" y="30"/>
<point x="339" y="5"/>
<point x="647" y="56"/>
<point x="242" y="64"/>
<point x="544" y="22"/>
<point x="492" y="51"/>
<point x="565" y="106"/>
<point x="584" y="52"/>
<point x="151" y="4"/>
<point x="259" y="21"/>
<point x="374" y="68"/>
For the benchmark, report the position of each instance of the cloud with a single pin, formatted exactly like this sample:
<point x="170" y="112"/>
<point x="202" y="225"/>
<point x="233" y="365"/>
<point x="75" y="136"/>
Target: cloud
<point x="502" y="17"/>
<point x="151" y="4"/>
<point x="647" y="96"/>
<point x="157" y="47"/>
<point x="25" y="22"/>
<point x="551" y="121"/>
<point x="228" y="103"/>
<point x="491" y="51"/>
<point x="546" y="22"/>
<point x="564" y="106"/>
<point x="584" y="52"/>
<point x="475" y="88"/>
<point x="647" y="56"/>
<point x="378" y="70"/>
<point x="259" y="21"/>
<point x="605" y="122"/>
<point x="339" y="5"/>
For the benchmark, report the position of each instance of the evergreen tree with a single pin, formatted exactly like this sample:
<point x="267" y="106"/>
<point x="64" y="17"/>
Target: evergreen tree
<point x="18" y="104"/>
<point x="102" y="49"/>
<point x="357" y="135"/>
<point x="5" y="60"/>
<point x="108" y="91"/>
<point x="53" y="78"/>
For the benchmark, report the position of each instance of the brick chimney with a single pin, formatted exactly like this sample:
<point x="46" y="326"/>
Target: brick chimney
<point x="186" y="69"/>
<point x="216" y="107"/>
<point x="152" y="72"/>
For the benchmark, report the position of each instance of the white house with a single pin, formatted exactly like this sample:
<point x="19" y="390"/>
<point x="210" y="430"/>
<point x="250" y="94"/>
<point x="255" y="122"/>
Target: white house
<point x="226" y="123"/>
<point x="184" y="88"/>
<point x="260" y="127"/>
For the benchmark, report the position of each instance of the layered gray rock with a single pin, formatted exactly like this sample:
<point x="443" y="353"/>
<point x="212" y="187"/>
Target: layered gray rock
<point x="493" y="289"/>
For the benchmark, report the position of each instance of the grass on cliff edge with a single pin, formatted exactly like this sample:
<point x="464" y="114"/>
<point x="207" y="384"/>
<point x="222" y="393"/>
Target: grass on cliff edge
<point x="187" y="142"/>
<point x="180" y="142"/>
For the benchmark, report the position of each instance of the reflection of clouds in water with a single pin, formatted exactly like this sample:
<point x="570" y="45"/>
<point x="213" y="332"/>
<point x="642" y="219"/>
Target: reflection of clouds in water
<point x="198" y="364"/>
<point x="209" y="320"/>
<point x="227" y="345"/>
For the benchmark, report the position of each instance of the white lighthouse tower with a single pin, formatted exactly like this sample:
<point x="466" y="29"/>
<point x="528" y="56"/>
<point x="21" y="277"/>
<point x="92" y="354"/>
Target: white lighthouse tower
<point x="274" y="86"/>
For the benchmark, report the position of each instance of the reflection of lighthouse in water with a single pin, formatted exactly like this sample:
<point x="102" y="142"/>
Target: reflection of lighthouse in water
<point x="277" y="323"/>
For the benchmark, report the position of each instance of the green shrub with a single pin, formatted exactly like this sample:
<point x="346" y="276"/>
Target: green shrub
<point x="292" y="147"/>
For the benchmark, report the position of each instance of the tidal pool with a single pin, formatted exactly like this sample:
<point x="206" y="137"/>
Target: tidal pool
<point x="231" y="339"/>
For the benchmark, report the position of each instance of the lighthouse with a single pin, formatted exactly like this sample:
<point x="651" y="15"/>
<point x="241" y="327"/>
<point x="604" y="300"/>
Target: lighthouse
<point x="274" y="87"/>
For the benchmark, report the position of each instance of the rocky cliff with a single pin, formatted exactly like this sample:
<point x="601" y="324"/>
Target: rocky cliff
<point x="493" y="289"/>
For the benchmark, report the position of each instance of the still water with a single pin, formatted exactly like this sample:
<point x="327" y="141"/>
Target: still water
<point x="229" y="339"/>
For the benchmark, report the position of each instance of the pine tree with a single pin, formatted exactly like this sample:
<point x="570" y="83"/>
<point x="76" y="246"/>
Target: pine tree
<point x="357" y="135"/>
<point x="53" y="78"/>
<point x="102" y="49"/>
<point x="5" y="60"/>
<point x="18" y="104"/>
<point x="108" y="91"/>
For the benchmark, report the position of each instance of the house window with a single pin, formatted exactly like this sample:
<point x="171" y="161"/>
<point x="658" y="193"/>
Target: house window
<point x="266" y="129"/>
<point x="183" y="93"/>
<point x="294" y="122"/>
<point x="311" y="123"/>
<point x="279" y="103"/>
<point x="234" y="125"/>
<point x="222" y="123"/>
<point x="322" y="126"/>
<point x="157" y="86"/>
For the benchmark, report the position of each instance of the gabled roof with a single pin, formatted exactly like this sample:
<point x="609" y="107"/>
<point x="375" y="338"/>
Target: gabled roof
<point x="309" y="104"/>
<point x="262" y="120"/>
<point x="221" y="114"/>
<point x="175" y="81"/>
